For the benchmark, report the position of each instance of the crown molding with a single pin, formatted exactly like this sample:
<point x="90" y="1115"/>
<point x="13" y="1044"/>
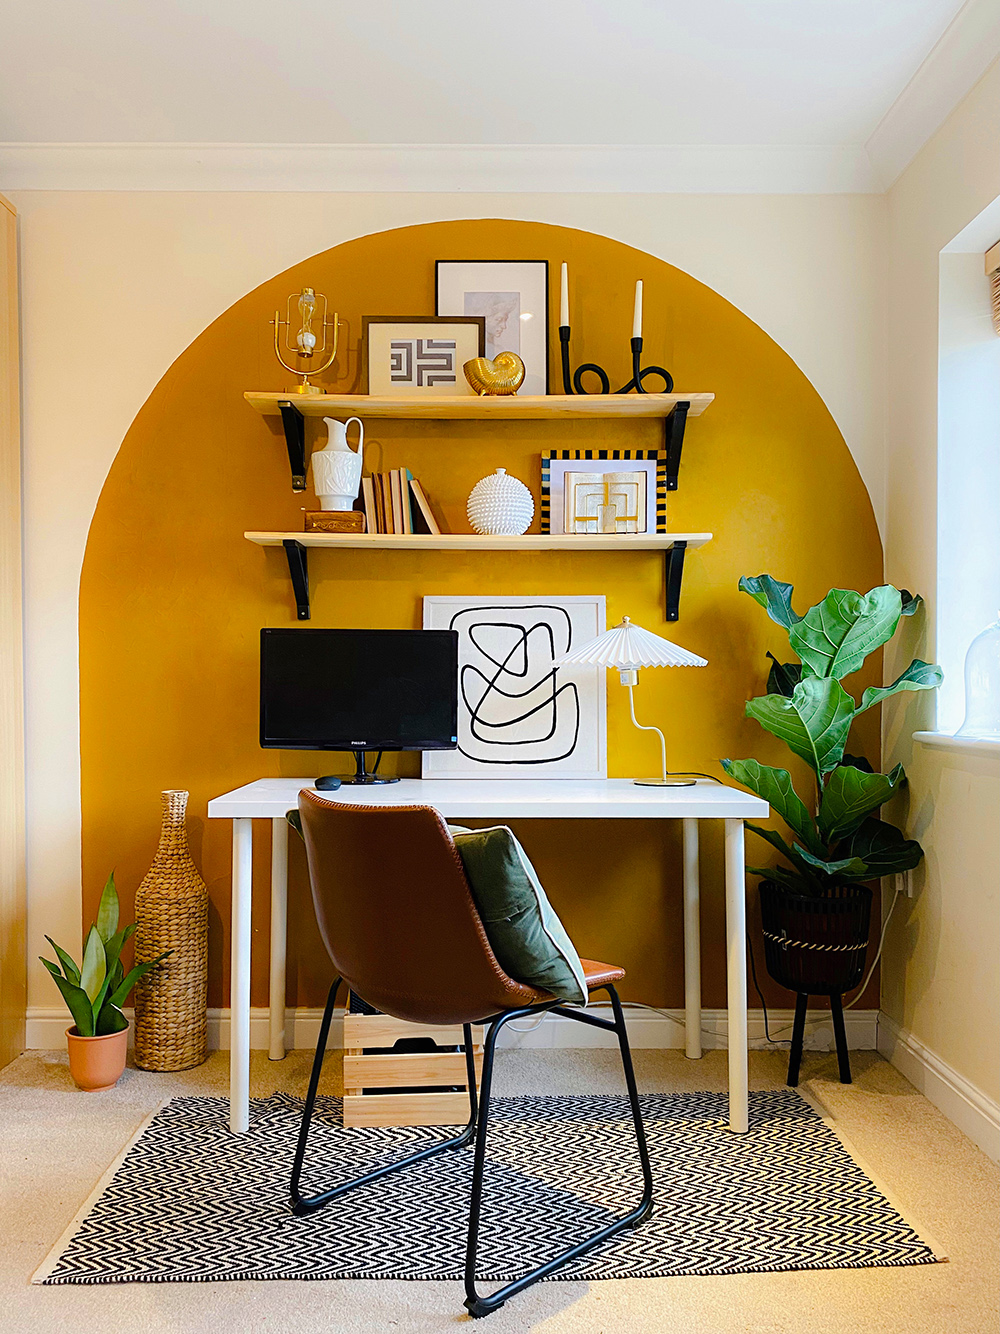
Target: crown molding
<point x="965" y="51"/>
<point x="439" y="168"/>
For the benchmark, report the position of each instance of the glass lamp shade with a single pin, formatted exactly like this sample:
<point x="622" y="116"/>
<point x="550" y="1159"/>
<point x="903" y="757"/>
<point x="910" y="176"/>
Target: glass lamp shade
<point x="982" y="686"/>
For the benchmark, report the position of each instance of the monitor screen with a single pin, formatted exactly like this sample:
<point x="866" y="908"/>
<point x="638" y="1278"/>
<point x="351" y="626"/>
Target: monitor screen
<point x="359" y="689"/>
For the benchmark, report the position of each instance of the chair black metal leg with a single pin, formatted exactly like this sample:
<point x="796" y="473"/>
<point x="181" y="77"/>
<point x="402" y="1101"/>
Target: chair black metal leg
<point x="480" y="1306"/>
<point x="798" y="1033"/>
<point x="843" y="1055"/>
<point x="307" y="1204"/>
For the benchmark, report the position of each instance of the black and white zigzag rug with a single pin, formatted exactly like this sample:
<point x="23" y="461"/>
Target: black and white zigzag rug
<point x="192" y="1203"/>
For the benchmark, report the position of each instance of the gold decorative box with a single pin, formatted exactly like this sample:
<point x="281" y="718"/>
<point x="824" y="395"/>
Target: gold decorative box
<point x="334" y="521"/>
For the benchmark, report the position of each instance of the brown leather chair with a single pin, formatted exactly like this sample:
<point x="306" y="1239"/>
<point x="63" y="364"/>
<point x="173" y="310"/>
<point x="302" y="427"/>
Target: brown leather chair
<point x="399" y="922"/>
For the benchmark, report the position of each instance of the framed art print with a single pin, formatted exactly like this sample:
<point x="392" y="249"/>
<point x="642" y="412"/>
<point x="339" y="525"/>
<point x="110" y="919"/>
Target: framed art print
<point x="518" y="716"/>
<point x="556" y="463"/>
<point x="420" y="354"/>
<point x="513" y="297"/>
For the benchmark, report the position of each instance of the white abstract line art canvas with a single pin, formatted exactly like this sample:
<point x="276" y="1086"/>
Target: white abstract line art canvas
<point x="518" y="716"/>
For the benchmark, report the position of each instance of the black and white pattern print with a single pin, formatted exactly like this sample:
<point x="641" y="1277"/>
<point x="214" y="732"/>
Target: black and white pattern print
<point x="422" y="361"/>
<point x="193" y="1203"/>
<point x="519" y="716"/>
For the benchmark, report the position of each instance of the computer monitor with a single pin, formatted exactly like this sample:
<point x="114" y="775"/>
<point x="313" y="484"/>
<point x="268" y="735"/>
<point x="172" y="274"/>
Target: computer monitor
<point x="359" y="690"/>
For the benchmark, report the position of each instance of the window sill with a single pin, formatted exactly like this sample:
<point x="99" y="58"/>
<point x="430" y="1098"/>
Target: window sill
<point x="966" y="745"/>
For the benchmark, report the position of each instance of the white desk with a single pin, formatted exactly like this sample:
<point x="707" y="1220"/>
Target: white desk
<point x="534" y="799"/>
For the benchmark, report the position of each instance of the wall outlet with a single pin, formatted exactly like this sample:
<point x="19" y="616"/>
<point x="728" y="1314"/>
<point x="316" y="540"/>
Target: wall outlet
<point x="902" y="883"/>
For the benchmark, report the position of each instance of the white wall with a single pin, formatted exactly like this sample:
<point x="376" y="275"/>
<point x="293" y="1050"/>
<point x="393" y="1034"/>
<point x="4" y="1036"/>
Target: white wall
<point x="939" y="974"/>
<point x="115" y="286"/>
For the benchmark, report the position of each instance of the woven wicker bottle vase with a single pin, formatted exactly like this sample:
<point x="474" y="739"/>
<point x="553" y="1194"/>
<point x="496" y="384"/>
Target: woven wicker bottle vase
<point x="171" y="911"/>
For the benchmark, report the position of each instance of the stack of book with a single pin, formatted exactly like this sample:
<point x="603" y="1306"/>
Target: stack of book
<point x="395" y="502"/>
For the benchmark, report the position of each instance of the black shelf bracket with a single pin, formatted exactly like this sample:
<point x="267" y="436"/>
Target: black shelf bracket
<point x="674" y="571"/>
<point x="298" y="568"/>
<point x="673" y="439"/>
<point x="295" y="438"/>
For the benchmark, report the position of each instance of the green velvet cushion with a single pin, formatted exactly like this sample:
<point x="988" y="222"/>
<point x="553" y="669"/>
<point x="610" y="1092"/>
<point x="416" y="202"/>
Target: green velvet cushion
<point x="527" y="937"/>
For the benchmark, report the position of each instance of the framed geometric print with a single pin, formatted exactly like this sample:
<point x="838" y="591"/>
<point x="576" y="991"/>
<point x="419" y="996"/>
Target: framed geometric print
<point x="556" y="463"/>
<point x="419" y="354"/>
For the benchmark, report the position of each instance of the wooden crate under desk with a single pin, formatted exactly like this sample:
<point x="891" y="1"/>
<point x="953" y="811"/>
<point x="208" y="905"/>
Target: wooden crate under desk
<point x="365" y="1069"/>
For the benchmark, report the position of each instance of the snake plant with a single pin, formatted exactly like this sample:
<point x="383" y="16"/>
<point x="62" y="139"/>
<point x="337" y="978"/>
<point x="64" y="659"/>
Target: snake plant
<point x="841" y="839"/>
<point x="97" y="989"/>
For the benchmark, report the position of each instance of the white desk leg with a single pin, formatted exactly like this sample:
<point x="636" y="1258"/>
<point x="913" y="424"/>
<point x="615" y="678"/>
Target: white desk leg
<point x="279" y="920"/>
<point x="736" y="950"/>
<point x="239" y="982"/>
<point x="692" y="943"/>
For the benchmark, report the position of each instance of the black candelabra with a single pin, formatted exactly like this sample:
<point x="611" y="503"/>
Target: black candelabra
<point x="573" y="384"/>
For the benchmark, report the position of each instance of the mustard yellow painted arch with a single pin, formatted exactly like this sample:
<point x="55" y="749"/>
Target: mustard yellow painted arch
<point x="172" y="598"/>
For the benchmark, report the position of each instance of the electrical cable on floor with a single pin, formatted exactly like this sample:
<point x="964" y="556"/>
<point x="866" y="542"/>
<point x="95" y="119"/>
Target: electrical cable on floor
<point x="878" y="953"/>
<point x="775" y="1042"/>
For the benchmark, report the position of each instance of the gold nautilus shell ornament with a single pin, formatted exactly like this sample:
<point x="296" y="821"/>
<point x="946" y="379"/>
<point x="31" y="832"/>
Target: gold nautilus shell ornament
<point x="503" y="375"/>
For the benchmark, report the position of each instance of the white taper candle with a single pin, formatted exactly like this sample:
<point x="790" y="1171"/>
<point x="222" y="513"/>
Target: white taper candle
<point x="637" y="314"/>
<point x="564" y="296"/>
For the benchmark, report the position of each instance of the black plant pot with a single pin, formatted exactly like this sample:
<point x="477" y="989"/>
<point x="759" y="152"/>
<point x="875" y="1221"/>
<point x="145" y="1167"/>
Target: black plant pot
<point x="816" y="945"/>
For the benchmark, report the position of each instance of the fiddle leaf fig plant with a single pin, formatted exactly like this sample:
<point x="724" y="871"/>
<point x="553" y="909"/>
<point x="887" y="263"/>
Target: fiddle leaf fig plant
<point x="842" y="839"/>
<point x="96" y="991"/>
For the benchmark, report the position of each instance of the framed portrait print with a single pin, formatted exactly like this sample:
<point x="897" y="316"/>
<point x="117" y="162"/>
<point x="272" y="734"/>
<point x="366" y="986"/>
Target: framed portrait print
<point x="556" y="463"/>
<point x="518" y="716"/>
<point x="513" y="297"/>
<point x="420" y="354"/>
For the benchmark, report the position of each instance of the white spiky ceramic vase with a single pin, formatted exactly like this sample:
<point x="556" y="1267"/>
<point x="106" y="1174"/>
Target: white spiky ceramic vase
<point x="500" y="504"/>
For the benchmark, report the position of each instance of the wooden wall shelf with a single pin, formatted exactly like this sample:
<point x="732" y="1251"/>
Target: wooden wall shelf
<point x="470" y="407"/>
<point x="296" y="547"/>
<point x="672" y="409"/>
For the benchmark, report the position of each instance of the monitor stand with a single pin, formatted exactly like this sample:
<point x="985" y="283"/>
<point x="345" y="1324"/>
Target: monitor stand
<point x="361" y="775"/>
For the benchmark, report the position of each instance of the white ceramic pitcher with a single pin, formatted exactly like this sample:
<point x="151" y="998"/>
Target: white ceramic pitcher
<point x="336" y="469"/>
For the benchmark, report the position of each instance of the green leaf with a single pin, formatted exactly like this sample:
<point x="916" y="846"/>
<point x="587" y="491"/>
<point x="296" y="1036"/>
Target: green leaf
<point x="911" y="601"/>
<point x="113" y="947"/>
<point x="783" y="676"/>
<point x="850" y="795"/>
<point x="120" y="993"/>
<point x="94" y="969"/>
<point x="79" y="1005"/>
<point x="775" y="786"/>
<point x="110" y="1020"/>
<point x="53" y="968"/>
<point x="107" y="911"/>
<point x="918" y="676"/>
<point x="69" y="967"/>
<point x="814" y="722"/>
<point x="849" y="866"/>
<point x="835" y="636"/>
<point x="790" y="879"/>
<point x="295" y="820"/>
<point x="774" y="596"/>
<point x="882" y="848"/>
<point x="776" y="841"/>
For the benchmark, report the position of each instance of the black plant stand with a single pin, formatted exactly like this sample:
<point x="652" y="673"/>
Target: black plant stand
<point x="815" y="945"/>
<point x="798" y="1033"/>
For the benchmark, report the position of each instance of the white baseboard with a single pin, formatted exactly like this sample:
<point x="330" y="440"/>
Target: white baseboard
<point x="970" y="1109"/>
<point x="46" y="1029"/>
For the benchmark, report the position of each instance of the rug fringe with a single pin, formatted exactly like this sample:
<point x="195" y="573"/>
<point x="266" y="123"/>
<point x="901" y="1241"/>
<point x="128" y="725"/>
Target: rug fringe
<point x="812" y="1099"/>
<point x="73" y="1226"/>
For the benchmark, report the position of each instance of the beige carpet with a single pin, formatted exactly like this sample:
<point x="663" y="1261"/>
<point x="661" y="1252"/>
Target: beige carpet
<point x="55" y="1143"/>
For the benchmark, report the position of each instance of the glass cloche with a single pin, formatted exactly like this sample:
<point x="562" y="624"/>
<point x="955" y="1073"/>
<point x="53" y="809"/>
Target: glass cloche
<point x="982" y="686"/>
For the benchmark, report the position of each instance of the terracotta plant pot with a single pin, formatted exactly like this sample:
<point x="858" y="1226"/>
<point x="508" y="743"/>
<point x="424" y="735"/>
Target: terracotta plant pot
<point x="96" y="1063"/>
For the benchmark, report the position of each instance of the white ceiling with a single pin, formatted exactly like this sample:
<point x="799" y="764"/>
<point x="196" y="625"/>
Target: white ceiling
<point x="772" y="74"/>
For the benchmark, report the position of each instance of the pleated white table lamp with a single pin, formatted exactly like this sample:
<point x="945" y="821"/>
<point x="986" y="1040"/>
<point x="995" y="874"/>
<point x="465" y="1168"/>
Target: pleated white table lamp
<point x="627" y="648"/>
